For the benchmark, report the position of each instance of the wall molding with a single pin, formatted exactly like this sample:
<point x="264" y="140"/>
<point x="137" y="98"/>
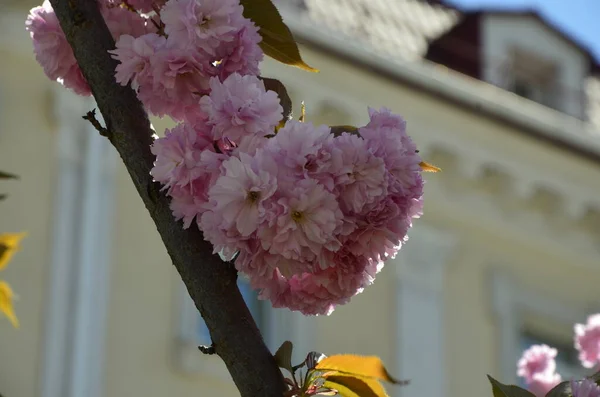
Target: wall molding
<point x="421" y="274"/>
<point x="78" y="288"/>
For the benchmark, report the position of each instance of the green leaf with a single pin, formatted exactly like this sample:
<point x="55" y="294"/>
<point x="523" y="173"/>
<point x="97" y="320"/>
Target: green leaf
<point x="563" y="389"/>
<point x="350" y="386"/>
<point x="277" y="40"/>
<point x="3" y="197"/>
<point x="502" y="390"/>
<point x="6" y="175"/>
<point x="281" y="91"/>
<point x="283" y="356"/>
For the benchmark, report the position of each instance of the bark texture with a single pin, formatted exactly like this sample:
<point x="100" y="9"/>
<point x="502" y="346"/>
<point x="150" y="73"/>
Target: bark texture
<point x="210" y="282"/>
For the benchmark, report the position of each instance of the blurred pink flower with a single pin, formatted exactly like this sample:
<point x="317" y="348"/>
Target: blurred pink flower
<point x="537" y="359"/>
<point x="587" y="341"/>
<point x="542" y="383"/>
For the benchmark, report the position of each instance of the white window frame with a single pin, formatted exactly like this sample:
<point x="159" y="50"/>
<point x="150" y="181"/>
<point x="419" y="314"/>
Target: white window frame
<point x="78" y="290"/>
<point x="421" y="277"/>
<point x="510" y="303"/>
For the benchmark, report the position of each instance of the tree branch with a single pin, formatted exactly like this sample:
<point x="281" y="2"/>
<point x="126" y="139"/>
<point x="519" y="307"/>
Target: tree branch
<point x="210" y="282"/>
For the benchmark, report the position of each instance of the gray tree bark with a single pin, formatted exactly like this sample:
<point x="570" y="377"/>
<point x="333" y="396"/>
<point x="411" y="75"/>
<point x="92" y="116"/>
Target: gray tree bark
<point x="210" y="282"/>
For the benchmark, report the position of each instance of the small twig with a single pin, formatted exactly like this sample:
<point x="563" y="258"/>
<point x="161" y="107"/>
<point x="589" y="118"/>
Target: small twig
<point x="210" y="350"/>
<point x="91" y="117"/>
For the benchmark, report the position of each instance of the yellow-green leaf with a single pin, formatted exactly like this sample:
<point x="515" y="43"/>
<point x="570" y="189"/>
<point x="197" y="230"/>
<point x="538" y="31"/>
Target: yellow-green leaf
<point x="349" y="386"/>
<point x="9" y="244"/>
<point x="277" y="39"/>
<point x="362" y="366"/>
<point x="6" y="303"/>
<point x="283" y="356"/>
<point x="429" y="167"/>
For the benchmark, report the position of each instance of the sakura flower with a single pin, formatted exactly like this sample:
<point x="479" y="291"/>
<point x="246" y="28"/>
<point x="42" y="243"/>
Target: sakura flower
<point x="241" y="106"/>
<point x="178" y="155"/>
<point x="52" y="51"/>
<point x="205" y="24"/>
<point x="587" y="341"/>
<point x="320" y="292"/>
<point x="585" y="388"/>
<point x="178" y="79"/>
<point x="241" y="55"/>
<point x="296" y="149"/>
<point x="306" y="217"/>
<point x="387" y="138"/>
<point x="238" y="195"/>
<point x="360" y="176"/>
<point x="537" y="359"/>
<point x="134" y="55"/>
<point x="541" y="383"/>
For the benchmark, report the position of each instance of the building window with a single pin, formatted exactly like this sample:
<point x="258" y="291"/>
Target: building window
<point x="519" y="311"/>
<point x="533" y="77"/>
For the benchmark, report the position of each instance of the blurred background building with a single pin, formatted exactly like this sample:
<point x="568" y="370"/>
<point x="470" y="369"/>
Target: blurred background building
<point x="506" y="255"/>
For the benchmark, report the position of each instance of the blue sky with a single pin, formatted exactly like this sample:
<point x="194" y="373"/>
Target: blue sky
<point x="579" y="18"/>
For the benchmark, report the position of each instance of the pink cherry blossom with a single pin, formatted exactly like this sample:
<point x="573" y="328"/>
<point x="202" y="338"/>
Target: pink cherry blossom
<point x="305" y="221"/>
<point x="238" y="195"/>
<point x="52" y="51"/>
<point x="359" y="175"/>
<point x="387" y="138"/>
<point x="585" y="388"/>
<point x="320" y="292"/>
<point x="240" y="106"/>
<point x="536" y="359"/>
<point x="177" y="82"/>
<point x="178" y="155"/>
<point x="537" y="367"/>
<point x="542" y="383"/>
<point x="587" y="341"/>
<point x="204" y="24"/>
<point x="241" y="55"/>
<point x="297" y="149"/>
<point x="135" y="55"/>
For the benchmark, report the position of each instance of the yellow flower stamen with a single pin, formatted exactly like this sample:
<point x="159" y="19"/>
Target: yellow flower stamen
<point x="297" y="216"/>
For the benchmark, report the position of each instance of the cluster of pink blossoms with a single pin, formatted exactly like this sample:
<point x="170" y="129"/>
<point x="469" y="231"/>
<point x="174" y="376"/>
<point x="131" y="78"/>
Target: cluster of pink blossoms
<point x="308" y="216"/>
<point x="537" y="366"/>
<point x="167" y="50"/>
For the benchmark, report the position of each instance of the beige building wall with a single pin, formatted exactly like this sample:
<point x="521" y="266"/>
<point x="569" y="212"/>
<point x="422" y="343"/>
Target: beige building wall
<point x="507" y="203"/>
